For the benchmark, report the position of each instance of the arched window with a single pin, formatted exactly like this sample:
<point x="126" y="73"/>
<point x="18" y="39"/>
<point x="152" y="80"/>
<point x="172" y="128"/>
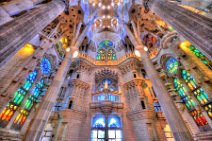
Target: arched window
<point x="16" y="101"/>
<point x="101" y="55"/>
<point x="110" y="128"/>
<point x="187" y="45"/>
<point x="190" y="104"/>
<point x="199" y="92"/>
<point x="111" y="55"/>
<point x="172" y="66"/>
<point x="32" y="99"/>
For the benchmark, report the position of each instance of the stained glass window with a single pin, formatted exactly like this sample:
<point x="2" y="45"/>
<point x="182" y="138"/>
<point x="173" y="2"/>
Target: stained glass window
<point x="45" y="65"/>
<point x="114" y="122"/>
<point x="106" y="44"/>
<point x="189" y="79"/>
<point x="172" y="66"/>
<point x="16" y="101"/>
<point x="28" y="104"/>
<point x="202" y="57"/>
<point x="198" y="92"/>
<point x="190" y="104"/>
<point x="99" y="121"/>
<point x="112" y="125"/>
<point x="199" y="118"/>
<point x="111" y="55"/>
<point x="101" y="55"/>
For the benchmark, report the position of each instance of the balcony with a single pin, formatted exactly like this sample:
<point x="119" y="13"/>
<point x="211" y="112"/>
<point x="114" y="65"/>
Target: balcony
<point x="106" y="106"/>
<point x="107" y="62"/>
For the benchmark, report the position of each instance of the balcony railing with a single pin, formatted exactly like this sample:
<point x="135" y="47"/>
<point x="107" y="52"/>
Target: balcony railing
<point x="107" y="62"/>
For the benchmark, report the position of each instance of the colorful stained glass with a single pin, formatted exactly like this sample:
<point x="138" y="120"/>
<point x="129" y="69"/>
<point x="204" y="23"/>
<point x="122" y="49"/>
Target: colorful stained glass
<point x="172" y="66"/>
<point x="106" y="44"/>
<point x="191" y="82"/>
<point x="21" y="117"/>
<point x="190" y="104"/>
<point x="114" y="122"/>
<point x="45" y="66"/>
<point x="28" y="104"/>
<point x="19" y="95"/>
<point x="202" y="57"/>
<point x="201" y="95"/>
<point x="208" y="108"/>
<point x="99" y="121"/>
<point x="111" y="55"/>
<point x="101" y="55"/>
<point x="198" y="92"/>
<point x="199" y="118"/>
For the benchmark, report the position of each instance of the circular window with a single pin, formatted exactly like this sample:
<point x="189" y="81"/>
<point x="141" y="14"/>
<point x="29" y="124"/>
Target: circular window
<point x="45" y="66"/>
<point x="172" y="66"/>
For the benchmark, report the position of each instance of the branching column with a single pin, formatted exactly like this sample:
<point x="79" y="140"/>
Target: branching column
<point x="194" y="27"/>
<point x="18" y="32"/>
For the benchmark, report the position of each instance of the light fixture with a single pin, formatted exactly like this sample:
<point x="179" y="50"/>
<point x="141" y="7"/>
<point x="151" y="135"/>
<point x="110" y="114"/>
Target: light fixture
<point x="108" y="7"/>
<point x="112" y="4"/>
<point x="75" y="54"/>
<point x="145" y="48"/>
<point x="100" y="4"/>
<point x="103" y="16"/>
<point x="68" y="49"/>
<point x="93" y="4"/>
<point x="108" y="16"/>
<point x="137" y="53"/>
<point x="103" y="7"/>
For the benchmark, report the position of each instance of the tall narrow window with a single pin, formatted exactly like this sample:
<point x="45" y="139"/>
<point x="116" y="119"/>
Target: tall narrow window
<point x="18" y="98"/>
<point x="101" y="55"/>
<point x="190" y="104"/>
<point x="198" y="92"/>
<point x="111" y="55"/>
<point x="143" y="105"/>
<point x="70" y="104"/>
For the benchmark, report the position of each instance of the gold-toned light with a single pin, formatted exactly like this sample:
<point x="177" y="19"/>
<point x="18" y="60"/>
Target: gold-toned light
<point x="26" y="50"/>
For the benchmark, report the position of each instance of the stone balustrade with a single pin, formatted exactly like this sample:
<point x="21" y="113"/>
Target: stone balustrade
<point x="109" y="62"/>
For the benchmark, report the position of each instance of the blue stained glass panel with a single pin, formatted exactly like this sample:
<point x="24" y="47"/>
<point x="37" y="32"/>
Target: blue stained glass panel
<point x="45" y="66"/>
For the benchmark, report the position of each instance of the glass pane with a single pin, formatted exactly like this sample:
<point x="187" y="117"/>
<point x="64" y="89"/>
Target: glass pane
<point x="111" y="134"/>
<point x="94" y="134"/>
<point x="101" y="134"/>
<point x="118" y="134"/>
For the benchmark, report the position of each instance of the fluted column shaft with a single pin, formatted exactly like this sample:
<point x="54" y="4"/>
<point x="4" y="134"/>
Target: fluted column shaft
<point x="194" y="27"/>
<point x="18" y="32"/>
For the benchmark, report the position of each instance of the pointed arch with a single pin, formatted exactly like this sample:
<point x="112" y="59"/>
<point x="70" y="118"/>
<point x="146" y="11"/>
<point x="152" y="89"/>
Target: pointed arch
<point x="111" y="54"/>
<point x="101" y="55"/>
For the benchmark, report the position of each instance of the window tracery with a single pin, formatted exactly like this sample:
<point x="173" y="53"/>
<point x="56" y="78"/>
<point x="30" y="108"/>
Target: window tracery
<point x="172" y="66"/>
<point x="106" y="127"/>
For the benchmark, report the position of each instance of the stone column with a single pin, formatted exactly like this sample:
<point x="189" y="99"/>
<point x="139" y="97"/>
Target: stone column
<point x="46" y="105"/>
<point x="172" y="115"/>
<point x="44" y="112"/>
<point x="18" y="32"/>
<point x="194" y="27"/>
<point x="178" y="127"/>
